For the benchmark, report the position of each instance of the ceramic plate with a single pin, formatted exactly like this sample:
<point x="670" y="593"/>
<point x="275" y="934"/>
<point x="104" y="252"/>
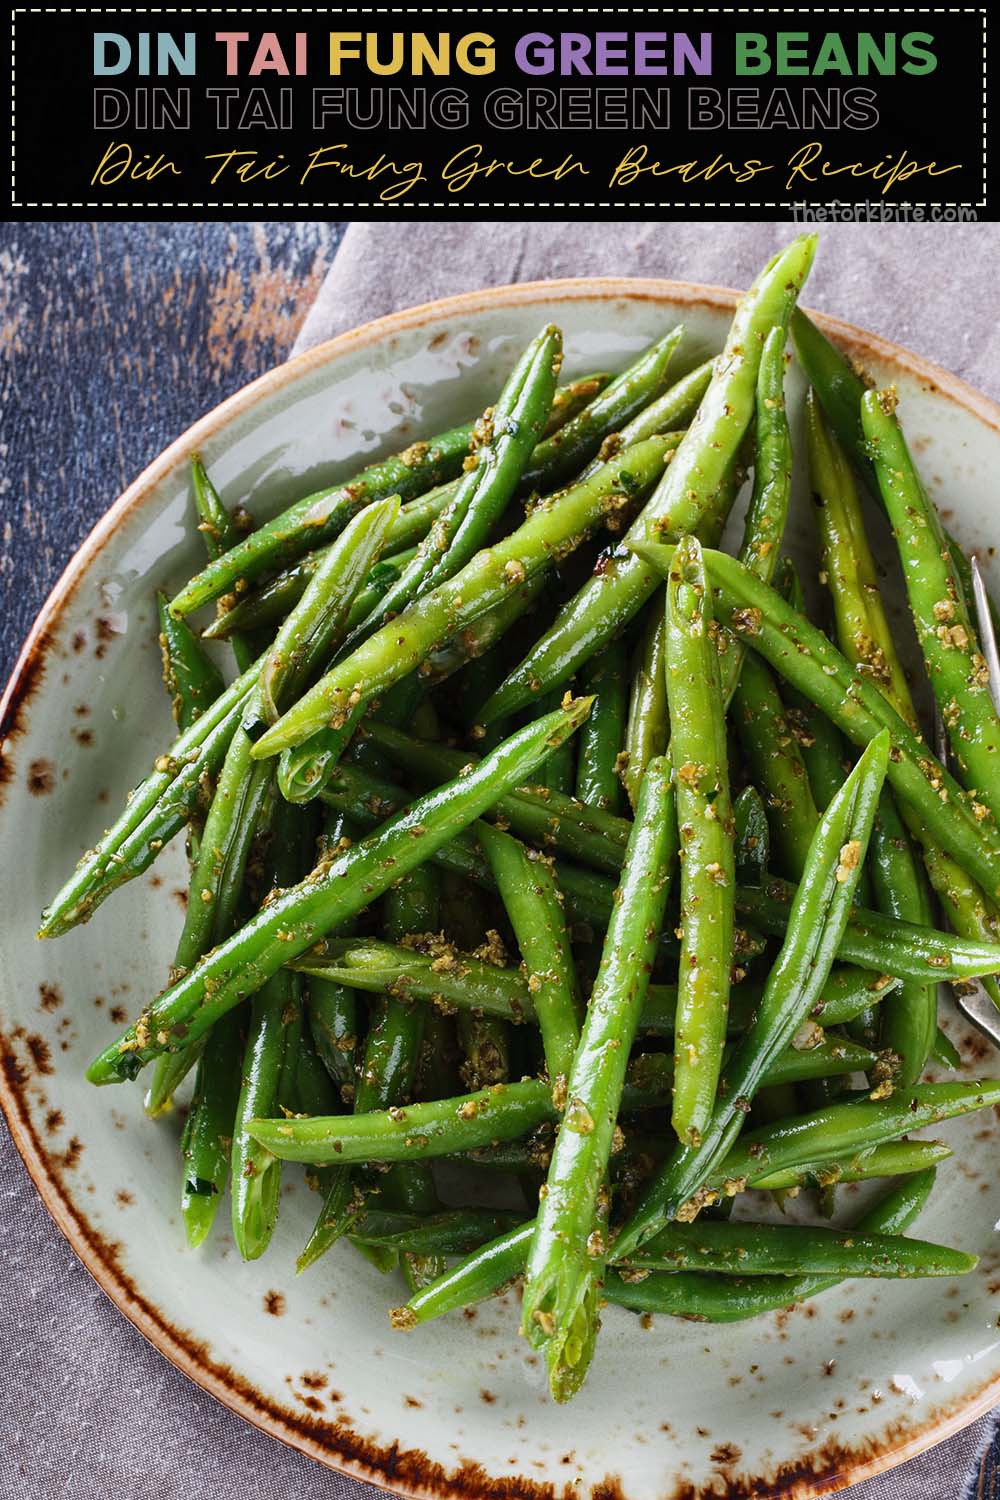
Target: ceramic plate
<point x="793" y="1404"/>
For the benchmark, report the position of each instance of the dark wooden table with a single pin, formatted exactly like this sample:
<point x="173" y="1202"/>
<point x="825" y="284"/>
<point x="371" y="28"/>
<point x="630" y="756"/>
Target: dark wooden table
<point x="114" y="338"/>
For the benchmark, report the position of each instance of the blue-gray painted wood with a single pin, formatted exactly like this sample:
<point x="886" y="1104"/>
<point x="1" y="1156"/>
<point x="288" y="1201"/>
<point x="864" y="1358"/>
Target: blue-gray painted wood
<point x="114" y="338"/>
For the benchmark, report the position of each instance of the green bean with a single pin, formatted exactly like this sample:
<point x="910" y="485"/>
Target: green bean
<point x="317" y="624"/>
<point x="502" y="444"/>
<point x="651" y="1074"/>
<point x="670" y="412"/>
<point x="804" y="656"/>
<point x="441" y="1127"/>
<point x="331" y="1008"/>
<point x="436" y="974"/>
<point x="746" y="1249"/>
<point x="840" y="1129"/>
<point x="275" y="1025"/>
<point x="321" y="516"/>
<point x="315" y="1091"/>
<point x="238" y="809"/>
<point x="699" y="757"/>
<point x="559" y="771"/>
<point x="772" y="475"/>
<point x="297" y="917"/>
<point x="157" y="809"/>
<point x="873" y="941"/>
<point x="482" y="635"/>
<point x="342" y="1207"/>
<point x="683" y="500"/>
<point x="570" y="400"/>
<point x="866" y="637"/>
<point x="454" y="1232"/>
<point x="486" y="1271"/>
<point x="776" y="765"/>
<point x="191" y="678"/>
<point x="220" y="531"/>
<point x="531" y="899"/>
<point x="841" y="389"/>
<point x="208" y="1128"/>
<point x="437" y="1070"/>
<point x="820" y="743"/>
<point x="566" y="1260"/>
<point x="273" y="600"/>
<point x="752" y="837"/>
<point x="395" y="1037"/>
<point x="821" y="908"/>
<point x="269" y="1064"/>
<point x="730" y="1299"/>
<point x="562" y="455"/>
<point x="433" y="972"/>
<point x="602" y="737"/>
<point x="396" y="1027"/>
<point x="909" y="1017"/>
<point x="544" y="816"/>
<point x="955" y="664"/>
<point x="899" y="884"/>
<point x="647" y="730"/>
<point x="892" y="1159"/>
<point x="554" y="528"/>
<point x="485" y="1048"/>
<point x="483" y="1273"/>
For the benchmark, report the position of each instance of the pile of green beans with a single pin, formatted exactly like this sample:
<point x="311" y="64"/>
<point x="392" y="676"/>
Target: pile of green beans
<point x="614" y="899"/>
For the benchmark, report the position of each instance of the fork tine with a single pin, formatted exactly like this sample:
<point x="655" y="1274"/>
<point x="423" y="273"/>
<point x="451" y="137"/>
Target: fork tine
<point x="987" y="633"/>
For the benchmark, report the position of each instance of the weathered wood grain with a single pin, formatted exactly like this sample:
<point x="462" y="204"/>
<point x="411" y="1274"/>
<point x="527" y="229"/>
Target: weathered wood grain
<point x="114" y="338"/>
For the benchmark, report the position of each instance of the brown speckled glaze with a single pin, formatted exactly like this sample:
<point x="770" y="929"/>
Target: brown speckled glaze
<point x="800" y="1403"/>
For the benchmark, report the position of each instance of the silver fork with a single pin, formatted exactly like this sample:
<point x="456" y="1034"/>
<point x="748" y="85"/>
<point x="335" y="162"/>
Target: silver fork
<point x="970" y="997"/>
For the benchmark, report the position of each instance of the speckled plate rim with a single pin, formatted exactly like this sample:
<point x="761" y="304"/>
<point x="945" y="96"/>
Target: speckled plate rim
<point x="388" y="1470"/>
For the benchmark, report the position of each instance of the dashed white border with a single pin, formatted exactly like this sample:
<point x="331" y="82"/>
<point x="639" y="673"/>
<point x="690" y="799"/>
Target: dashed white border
<point x="492" y="10"/>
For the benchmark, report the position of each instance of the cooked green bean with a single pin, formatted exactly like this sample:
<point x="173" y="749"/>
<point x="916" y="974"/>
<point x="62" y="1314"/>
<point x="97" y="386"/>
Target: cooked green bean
<point x="502" y="444"/>
<point x="702" y="466"/>
<point x="157" y="809"/>
<point x="775" y="763"/>
<point x="566" y="1259"/>
<point x="297" y="917"/>
<point x="531" y="898"/>
<point x="722" y="1299"/>
<point x="806" y="659"/>
<point x="562" y="455"/>
<point x="955" y="665"/>
<point x="554" y="527"/>
<point x="208" y="1128"/>
<point x="743" y="1249"/>
<point x="317" y="623"/>
<point x="840" y="1129"/>
<point x="752" y="837"/>
<point x="821" y="908"/>
<point x="320" y="517"/>
<point x="269" y="1073"/>
<point x="601" y="740"/>
<point x="647" y="730"/>
<point x="190" y="676"/>
<point x="699" y="757"/>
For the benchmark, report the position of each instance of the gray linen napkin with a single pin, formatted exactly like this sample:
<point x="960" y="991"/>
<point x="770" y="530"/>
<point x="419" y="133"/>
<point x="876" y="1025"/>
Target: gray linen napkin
<point x="901" y="280"/>
<point x="137" y="1427"/>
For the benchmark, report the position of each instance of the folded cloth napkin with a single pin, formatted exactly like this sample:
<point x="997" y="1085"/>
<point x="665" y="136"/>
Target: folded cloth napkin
<point x="876" y="275"/>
